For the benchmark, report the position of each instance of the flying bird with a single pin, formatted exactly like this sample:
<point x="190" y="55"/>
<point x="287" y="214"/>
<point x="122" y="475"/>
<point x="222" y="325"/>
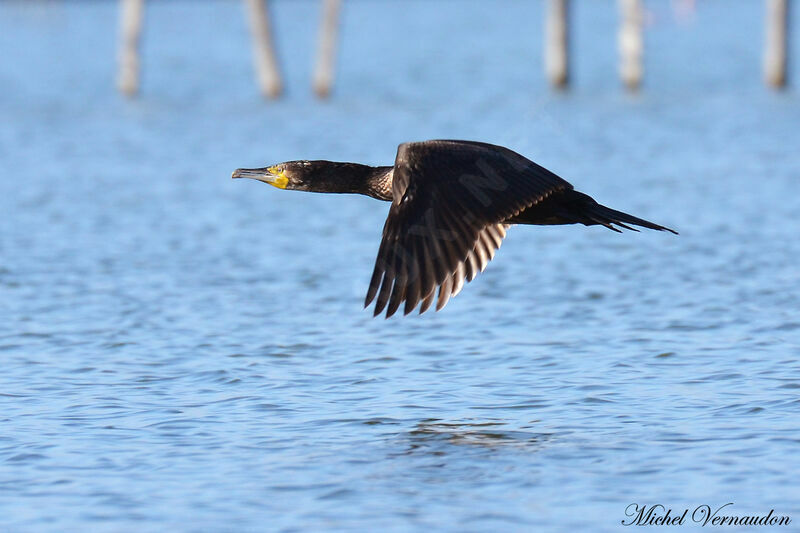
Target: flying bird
<point x="452" y="203"/>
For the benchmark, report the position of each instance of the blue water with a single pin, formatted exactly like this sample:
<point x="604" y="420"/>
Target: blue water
<point x="184" y="352"/>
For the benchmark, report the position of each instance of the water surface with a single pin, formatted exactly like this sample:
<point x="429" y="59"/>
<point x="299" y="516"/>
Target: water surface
<point x="185" y="352"/>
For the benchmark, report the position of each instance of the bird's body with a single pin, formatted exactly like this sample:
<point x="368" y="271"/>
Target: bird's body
<point x="452" y="202"/>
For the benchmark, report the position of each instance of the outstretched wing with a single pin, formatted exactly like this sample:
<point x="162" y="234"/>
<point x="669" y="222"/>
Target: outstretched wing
<point x="450" y="199"/>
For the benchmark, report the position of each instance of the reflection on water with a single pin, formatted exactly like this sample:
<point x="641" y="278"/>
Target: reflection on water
<point x="435" y="436"/>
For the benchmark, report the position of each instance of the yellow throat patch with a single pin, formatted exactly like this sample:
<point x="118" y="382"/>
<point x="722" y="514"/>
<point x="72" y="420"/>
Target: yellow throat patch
<point x="280" y="180"/>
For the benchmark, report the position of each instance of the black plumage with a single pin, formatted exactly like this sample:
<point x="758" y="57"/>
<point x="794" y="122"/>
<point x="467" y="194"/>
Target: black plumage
<point x="452" y="202"/>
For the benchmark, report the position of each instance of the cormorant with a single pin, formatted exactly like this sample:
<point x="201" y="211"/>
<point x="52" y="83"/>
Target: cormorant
<point x="452" y="202"/>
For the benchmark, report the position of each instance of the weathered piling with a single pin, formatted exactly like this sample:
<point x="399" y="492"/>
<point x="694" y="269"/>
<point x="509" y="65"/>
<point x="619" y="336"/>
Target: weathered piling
<point x="776" y="42"/>
<point x="631" y="43"/>
<point x="131" y="15"/>
<point x="556" y="46"/>
<point x="269" y="78"/>
<point x="326" y="55"/>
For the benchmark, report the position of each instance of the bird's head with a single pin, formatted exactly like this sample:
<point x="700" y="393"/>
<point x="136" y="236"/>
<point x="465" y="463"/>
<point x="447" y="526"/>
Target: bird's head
<point x="292" y="175"/>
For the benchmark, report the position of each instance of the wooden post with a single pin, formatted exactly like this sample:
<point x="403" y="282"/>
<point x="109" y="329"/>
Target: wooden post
<point x="131" y="14"/>
<point x="631" y="43"/>
<point x="556" y="46"/>
<point x="269" y="78"/>
<point x="326" y="57"/>
<point x="775" y="55"/>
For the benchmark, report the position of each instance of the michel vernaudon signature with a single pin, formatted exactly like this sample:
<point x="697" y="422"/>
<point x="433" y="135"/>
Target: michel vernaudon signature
<point x="659" y="515"/>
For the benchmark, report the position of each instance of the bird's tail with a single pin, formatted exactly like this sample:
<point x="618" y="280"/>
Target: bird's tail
<point x="596" y="213"/>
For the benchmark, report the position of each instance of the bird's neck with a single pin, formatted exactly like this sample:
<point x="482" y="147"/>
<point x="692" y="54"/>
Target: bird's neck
<point x="359" y="179"/>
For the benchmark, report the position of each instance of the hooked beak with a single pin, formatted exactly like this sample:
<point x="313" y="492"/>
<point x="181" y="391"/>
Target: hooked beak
<point x="270" y="175"/>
